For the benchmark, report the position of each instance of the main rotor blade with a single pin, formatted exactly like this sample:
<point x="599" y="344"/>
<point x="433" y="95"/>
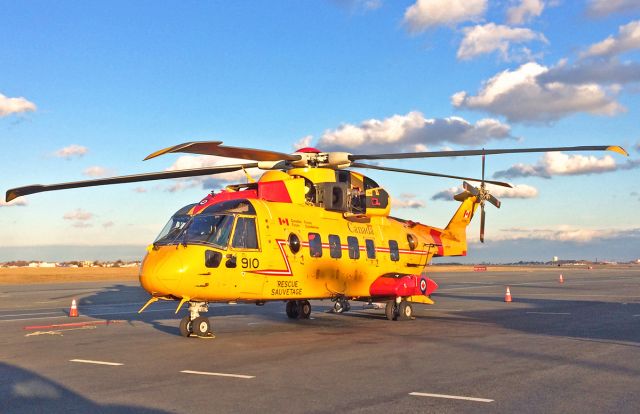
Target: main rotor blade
<point x="494" y="201"/>
<point x="401" y="170"/>
<point x="465" y="153"/>
<point x="481" y="223"/>
<point x="38" y="188"/>
<point x="215" y="148"/>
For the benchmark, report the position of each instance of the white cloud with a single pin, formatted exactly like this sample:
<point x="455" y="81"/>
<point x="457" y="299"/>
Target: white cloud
<point x="628" y="38"/>
<point x="303" y="142"/>
<point x="425" y="14"/>
<point x="607" y="72"/>
<point x="447" y="195"/>
<point x="97" y="171"/>
<point x="488" y="38"/>
<point x="20" y="201"/>
<point x="564" y="233"/>
<point x="526" y="10"/>
<point x="638" y="146"/>
<point x="521" y="97"/>
<point x="407" y="201"/>
<point x="518" y="191"/>
<point x="411" y="131"/>
<point x="558" y="163"/>
<point x="71" y="151"/>
<point x="206" y="182"/>
<point x="140" y="190"/>
<point x="10" y="106"/>
<point x="79" y="218"/>
<point x="108" y="224"/>
<point x="78" y="215"/>
<point x="604" y="7"/>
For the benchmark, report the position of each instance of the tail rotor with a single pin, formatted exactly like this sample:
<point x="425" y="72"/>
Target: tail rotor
<point x="482" y="194"/>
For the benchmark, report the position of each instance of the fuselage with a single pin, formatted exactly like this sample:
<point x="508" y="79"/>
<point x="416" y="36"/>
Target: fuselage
<point x="301" y="252"/>
<point x="310" y="233"/>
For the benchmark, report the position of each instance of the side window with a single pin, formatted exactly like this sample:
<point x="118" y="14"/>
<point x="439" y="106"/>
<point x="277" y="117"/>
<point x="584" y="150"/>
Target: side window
<point x="371" y="249"/>
<point x="315" y="245"/>
<point x="245" y="236"/>
<point x="393" y="250"/>
<point x="334" y="246"/>
<point x="354" y="248"/>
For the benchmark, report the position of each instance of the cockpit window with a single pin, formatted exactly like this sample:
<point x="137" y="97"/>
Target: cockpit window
<point x="174" y="226"/>
<point x="212" y="226"/>
<point x="209" y="228"/>
<point x="245" y="236"/>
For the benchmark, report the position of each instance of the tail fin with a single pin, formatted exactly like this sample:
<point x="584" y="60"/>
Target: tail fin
<point x="454" y="236"/>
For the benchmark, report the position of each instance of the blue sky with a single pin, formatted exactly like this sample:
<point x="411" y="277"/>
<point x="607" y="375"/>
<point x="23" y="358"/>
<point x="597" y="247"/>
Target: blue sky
<point x="88" y="90"/>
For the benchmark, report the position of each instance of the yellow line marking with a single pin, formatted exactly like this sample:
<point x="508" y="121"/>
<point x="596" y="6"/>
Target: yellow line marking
<point x="218" y="374"/>
<point x="451" y="397"/>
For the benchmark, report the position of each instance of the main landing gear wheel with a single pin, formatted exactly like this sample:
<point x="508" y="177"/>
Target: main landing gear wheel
<point x="398" y="311"/>
<point x="201" y="326"/>
<point x="390" y="310"/>
<point x="304" y="308"/>
<point x="405" y="311"/>
<point x="293" y="309"/>
<point x="185" y="326"/>
<point x="341" y="305"/>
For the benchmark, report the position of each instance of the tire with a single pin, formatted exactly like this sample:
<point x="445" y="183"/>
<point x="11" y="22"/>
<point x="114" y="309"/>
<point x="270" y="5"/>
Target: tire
<point x="390" y="310"/>
<point x="347" y="306"/>
<point x="201" y="326"/>
<point x="293" y="310"/>
<point x="338" y="307"/>
<point x="185" y="327"/>
<point x="405" y="311"/>
<point x="305" y="309"/>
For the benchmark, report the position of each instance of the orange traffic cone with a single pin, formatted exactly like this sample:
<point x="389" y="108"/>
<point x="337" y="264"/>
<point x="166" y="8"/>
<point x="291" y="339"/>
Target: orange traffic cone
<point x="73" y="312"/>
<point x="507" y="295"/>
<point x="560" y="279"/>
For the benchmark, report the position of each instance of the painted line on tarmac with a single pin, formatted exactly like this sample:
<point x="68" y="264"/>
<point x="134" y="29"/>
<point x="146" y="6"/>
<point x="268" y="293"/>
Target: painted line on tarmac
<point x="89" y="361"/>
<point x="451" y="397"/>
<point x="550" y="313"/>
<point x="218" y="374"/>
<point x="62" y="314"/>
<point x="71" y="324"/>
<point x="30" y="314"/>
<point x="635" y="316"/>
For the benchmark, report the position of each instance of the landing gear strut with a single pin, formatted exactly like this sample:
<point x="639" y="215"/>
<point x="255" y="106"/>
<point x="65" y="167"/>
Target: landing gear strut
<point x="341" y="305"/>
<point x="194" y="324"/>
<point x="298" y="309"/>
<point x="399" y="309"/>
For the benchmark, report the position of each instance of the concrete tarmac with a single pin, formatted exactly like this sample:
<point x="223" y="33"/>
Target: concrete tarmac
<point x="571" y="347"/>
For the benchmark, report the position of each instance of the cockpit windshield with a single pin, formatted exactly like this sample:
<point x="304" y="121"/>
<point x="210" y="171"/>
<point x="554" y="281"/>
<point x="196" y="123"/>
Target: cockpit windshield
<point x="211" y="226"/>
<point x="174" y="226"/>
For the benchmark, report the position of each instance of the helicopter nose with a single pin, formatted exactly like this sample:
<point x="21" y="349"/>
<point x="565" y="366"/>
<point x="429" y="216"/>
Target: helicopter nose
<point x="160" y="271"/>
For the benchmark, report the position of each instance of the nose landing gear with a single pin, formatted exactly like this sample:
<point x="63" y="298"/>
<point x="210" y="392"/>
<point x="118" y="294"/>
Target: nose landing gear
<point x="194" y="324"/>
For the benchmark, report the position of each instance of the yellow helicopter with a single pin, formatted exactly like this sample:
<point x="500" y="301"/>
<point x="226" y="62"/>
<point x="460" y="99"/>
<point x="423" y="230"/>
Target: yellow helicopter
<point x="307" y="229"/>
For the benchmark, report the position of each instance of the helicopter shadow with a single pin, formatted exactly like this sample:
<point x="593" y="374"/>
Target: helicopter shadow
<point x="23" y="391"/>
<point x="122" y="301"/>
<point x="585" y="320"/>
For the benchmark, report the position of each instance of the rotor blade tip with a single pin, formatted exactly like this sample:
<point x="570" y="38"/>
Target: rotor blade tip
<point x="618" y="149"/>
<point x="11" y="195"/>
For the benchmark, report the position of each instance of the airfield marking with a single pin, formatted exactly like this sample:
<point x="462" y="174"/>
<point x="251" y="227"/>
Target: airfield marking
<point x="218" y="374"/>
<point x="451" y="397"/>
<point x="550" y="313"/>
<point x="635" y="315"/>
<point x="89" y="361"/>
<point x="30" y="314"/>
<point x="62" y="315"/>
